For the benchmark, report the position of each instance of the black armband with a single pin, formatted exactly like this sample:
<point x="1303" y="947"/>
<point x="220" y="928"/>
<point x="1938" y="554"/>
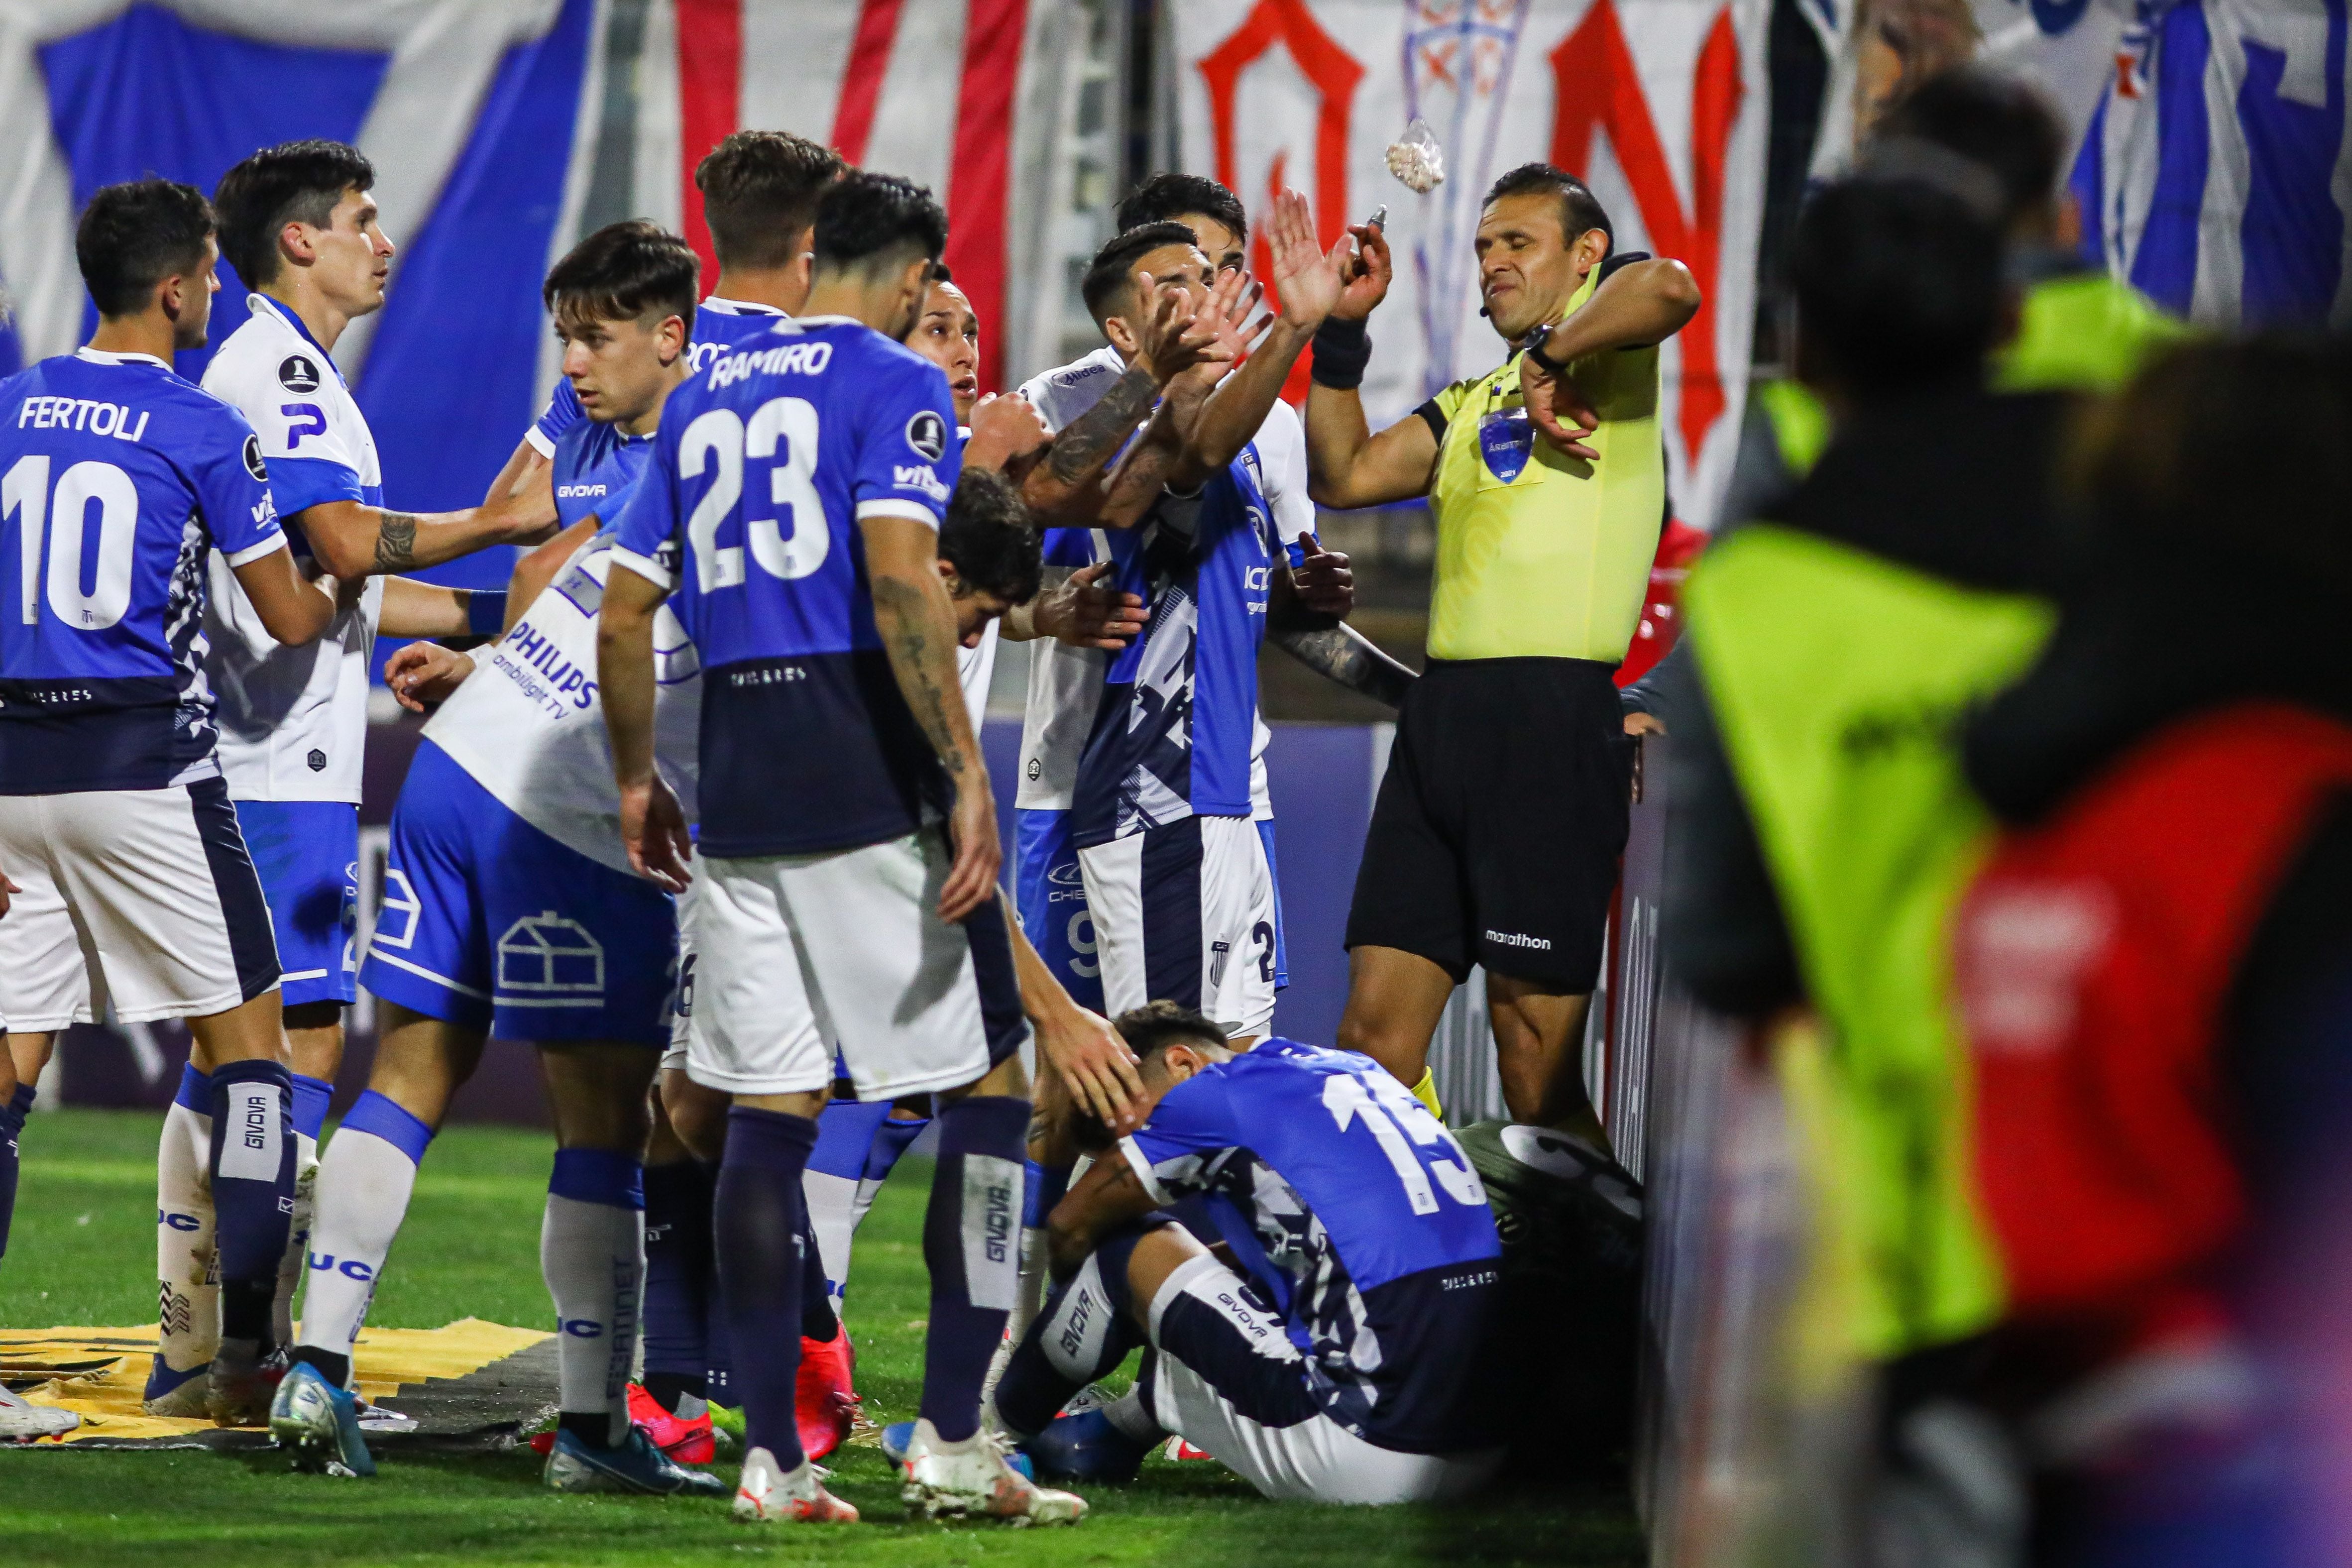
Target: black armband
<point x="1342" y="350"/>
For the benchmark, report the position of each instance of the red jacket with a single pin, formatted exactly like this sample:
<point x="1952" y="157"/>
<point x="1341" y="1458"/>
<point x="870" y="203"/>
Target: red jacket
<point x="2095" y="956"/>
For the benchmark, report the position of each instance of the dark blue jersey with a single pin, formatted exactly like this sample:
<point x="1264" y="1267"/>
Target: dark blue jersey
<point x="1362" y="1220"/>
<point x="1174" y="735"/>
<point x="748" y="512"/>
<point x="116" y="476"/>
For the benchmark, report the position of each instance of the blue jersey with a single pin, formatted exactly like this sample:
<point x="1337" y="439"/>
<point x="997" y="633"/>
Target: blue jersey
<point x="595" y="467"/>
<point x="749" y="512"/>
<point x="1174" y="735"/>
<point x="1360" y="1219"/>
<point x="116" y="477"/>
<point x="718" y="324"/>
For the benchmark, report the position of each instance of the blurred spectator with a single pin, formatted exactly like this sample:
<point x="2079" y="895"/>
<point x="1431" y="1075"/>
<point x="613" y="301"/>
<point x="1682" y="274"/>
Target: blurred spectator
<point x="2155" y="974"/>
<point x="1821" y="829"/>
<point x="2075" y="326"/>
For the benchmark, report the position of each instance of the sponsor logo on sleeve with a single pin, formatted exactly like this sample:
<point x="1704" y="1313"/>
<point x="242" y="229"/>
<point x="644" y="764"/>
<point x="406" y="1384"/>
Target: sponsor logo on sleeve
<point x="927" y="433"/>
<point x="297" y="373"/>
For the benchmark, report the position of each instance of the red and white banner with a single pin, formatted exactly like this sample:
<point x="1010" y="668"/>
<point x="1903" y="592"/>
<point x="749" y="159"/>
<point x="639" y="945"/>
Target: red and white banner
<point x="959" y="95"/>
<point x="1661" y="105"/>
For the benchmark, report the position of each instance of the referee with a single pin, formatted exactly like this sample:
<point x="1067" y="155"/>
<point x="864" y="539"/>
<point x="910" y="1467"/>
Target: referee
<point x="1495" y="836"/>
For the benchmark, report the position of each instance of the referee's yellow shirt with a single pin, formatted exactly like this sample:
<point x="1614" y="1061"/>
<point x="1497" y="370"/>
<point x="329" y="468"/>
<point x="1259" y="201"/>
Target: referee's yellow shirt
<point x="1539" y="555"/>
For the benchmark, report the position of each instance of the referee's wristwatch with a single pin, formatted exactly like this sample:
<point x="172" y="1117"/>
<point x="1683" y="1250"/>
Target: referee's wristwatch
<point x="1533" y="347"/>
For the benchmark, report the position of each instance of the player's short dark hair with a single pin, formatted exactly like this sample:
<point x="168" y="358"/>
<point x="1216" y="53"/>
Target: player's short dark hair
<point x="759" y="192"/>
<point x="1106" y="274"/>
<point x="1579" y="210"/>
<point x="133" y="236"/>
<point x="625" y="271"/>
<point x="1165" y="196"/>
<point x="2000" y="121"/>
<point x="1897" y="284"/>
<point x="867" y="222"/>
<point x="294" y="181"/>
<point x="991" y="539"/>
<point x="1148" y="1031"/>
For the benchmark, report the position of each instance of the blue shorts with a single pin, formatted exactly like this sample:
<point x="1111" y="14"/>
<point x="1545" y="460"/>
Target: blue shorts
<point x="307" y="853"/>
<point x="490" y="923"/>
<point x="1052" y="902"/>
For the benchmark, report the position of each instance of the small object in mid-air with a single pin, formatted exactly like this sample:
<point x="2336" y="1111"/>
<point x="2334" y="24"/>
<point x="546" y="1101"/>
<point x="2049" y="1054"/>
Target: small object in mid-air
<point x="1380" y="218"/>
<point x="1416" y="159"/>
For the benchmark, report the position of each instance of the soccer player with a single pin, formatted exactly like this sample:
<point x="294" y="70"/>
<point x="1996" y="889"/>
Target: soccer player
<point x="1495" y="835"/>
<point x="792" y="507"/>
<point x="299" y="225"/>
<point x="1346" y="1361"/>
<point x="127" y="877"/>
<point x="512" y="910"/>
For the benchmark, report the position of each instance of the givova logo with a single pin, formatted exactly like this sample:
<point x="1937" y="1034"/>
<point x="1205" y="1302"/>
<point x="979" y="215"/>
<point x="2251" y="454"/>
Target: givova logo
<point x="992" y="1231"/>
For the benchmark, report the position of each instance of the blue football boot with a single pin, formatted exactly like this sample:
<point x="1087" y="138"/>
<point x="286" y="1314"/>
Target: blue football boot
<point x="319" y="1424"/>
<point x="635" y="1466"/>
<point x="1086" y="1447"/>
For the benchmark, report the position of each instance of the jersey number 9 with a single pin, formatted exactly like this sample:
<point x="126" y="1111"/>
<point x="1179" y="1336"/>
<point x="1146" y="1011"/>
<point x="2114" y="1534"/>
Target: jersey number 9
<point x="721" y="437"/>
<point x="25" y="495"/>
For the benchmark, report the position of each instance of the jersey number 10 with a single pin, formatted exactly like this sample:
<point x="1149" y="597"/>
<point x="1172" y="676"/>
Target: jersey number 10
<point x="1348" y="1100"/>
<point x="25" y="495"/>
<point x="721" y="437"/>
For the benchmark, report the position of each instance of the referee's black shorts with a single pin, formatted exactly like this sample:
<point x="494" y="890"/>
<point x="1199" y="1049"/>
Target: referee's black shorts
<point x="1500" y="822"/>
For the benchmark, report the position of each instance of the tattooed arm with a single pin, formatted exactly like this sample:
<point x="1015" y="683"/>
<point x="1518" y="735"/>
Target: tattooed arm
<point x="1331" y="647"/>
<point x="352" y="540"/>
<point x="917" y="622"/>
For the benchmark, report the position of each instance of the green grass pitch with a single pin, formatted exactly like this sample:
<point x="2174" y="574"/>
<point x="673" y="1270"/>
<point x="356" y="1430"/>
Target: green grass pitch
<point x="83" y="1252"/>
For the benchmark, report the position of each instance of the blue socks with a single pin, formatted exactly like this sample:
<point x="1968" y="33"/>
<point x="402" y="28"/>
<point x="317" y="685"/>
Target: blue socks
<point x="310" y="1097"/>
<point x="760" y="1226"/>
<point x="253" y="1190"/>
<point x="12" y="1123"/>
<point x="677" y="1279"/>
<point x="972" y="1245"/>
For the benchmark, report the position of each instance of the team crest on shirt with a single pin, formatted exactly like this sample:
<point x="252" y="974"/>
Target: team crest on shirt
<point x="297" y="373"/>
<point x="927" y="433"/>
<point x="253" y="463"/>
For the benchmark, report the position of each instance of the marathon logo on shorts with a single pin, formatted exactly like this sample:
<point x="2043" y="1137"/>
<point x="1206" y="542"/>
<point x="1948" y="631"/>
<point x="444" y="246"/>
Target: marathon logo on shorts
<point x="253" y="1149"/>
<point x="1519" y="939"/>
<point x="992" y="1231"/>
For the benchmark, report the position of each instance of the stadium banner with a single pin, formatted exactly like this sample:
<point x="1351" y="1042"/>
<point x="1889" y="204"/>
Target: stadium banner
<point x="489" y="121"/>
<point x="1661" y="105"/>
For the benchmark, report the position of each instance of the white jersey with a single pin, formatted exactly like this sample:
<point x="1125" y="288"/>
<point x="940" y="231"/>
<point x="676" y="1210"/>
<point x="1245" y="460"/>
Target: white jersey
<point x="293" y="721"/>
<point x="528" y="726"/>
<point x="976" y="666"/>
<point x="1065" y="683"/>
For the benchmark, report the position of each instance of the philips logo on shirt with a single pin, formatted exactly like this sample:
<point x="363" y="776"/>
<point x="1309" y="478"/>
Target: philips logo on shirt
<point x="921" y="477"/>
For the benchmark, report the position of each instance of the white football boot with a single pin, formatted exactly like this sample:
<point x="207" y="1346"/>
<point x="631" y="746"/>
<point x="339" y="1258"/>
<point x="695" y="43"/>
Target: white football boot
<point x="767" y="1495"/>
<point x="972" y="1479"/>
<point x="21" y="1421"/>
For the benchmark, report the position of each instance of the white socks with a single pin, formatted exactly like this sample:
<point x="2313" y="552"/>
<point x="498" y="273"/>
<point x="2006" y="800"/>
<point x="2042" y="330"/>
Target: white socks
<point x="188" y="1285"/>
<point x="363" y="1191"/>
<point x="297" y="1241"/>
<point x="591" y="1249"/>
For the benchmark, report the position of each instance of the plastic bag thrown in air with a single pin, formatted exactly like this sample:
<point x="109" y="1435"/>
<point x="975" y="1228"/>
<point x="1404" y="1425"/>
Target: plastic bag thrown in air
<point x="1416" y="159"/>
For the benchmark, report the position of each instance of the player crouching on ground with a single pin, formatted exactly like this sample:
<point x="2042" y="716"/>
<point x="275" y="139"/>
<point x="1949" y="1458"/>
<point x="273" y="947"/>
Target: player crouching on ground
<point x="1346" y="1359"/>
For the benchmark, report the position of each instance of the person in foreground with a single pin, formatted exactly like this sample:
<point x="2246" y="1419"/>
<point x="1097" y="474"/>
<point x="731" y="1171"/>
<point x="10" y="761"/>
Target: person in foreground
<point x="1330" y="1344"/>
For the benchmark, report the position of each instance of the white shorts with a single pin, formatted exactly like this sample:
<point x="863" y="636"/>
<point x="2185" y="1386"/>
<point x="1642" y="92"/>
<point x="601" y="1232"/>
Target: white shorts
<point x="1186" y="913"/>
<point x="141" y="899"/>
<point x="1311" y="1460"/>
<point x="681" y="999"/>
<point x="795" y="952"/>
